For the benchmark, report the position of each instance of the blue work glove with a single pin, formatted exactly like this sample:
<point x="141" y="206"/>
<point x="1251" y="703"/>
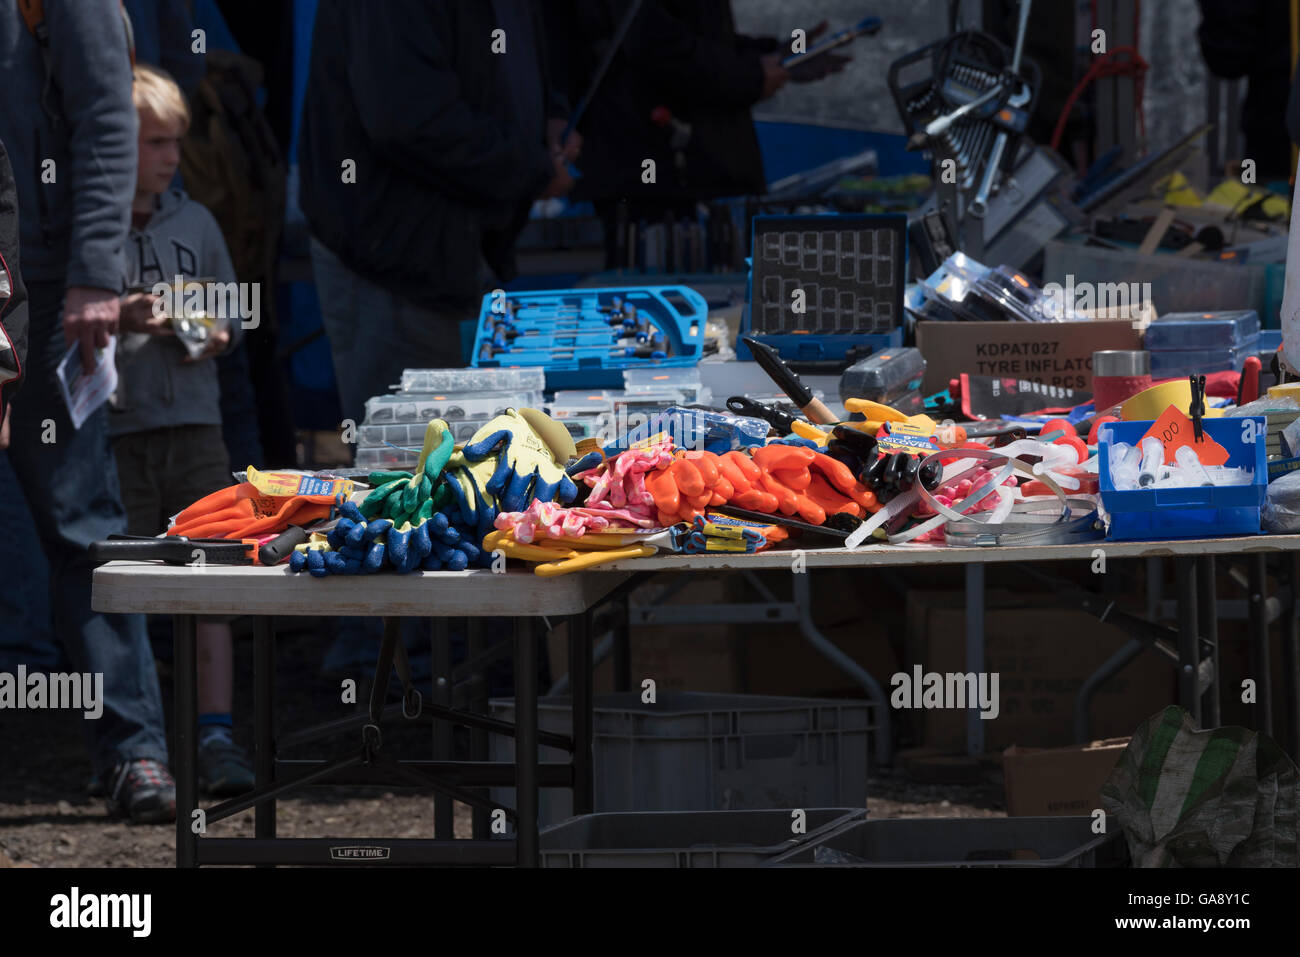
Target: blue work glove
<point x="525" y="450"/>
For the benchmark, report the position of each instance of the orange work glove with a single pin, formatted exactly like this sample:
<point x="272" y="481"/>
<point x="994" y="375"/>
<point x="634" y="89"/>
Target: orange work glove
<point x="241" y="511"/>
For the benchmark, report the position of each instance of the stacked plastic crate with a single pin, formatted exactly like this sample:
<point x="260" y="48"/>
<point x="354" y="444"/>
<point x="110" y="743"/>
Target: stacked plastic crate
<point x="1188" y="343"/>
<point x="393" y="431"/>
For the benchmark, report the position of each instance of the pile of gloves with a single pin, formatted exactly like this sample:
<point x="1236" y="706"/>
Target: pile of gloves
<point x="357" y="546"/>
<point x="438" y="516"/>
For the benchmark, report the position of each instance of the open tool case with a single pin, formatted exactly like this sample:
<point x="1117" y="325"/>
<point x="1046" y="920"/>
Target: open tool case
<point x="585" y="338"/>
<point x="851" y="269"/>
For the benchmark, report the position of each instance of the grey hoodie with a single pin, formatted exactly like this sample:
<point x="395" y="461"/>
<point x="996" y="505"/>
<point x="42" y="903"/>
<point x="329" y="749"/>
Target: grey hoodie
<point x="75" y="179"/>
<point x="155" y="388"/>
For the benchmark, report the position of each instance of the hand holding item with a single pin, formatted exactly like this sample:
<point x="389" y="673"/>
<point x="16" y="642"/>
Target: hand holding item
<point x="571" y="148"/>
<point x="90" y="317"/>
<point x="217" y="343"/>
<point x="137" y="315"/>
<point x="775" y="75"/>
<point x="561" y="183"/>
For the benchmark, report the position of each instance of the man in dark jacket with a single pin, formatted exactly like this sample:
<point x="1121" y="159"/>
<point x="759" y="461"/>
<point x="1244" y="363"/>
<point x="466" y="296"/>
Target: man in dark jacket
<point x="13" y="298"/>
<point x="424" y="142"/>
<point x="67" y="121"/>
<point x="1250" y="38"/>
<point x="685" y="56"/>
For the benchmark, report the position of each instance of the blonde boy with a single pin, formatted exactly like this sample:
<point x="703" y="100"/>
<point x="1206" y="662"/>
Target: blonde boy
<point x="165" y="421"/>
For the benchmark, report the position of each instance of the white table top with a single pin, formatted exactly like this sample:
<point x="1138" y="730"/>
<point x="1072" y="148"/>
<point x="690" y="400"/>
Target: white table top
<point x="154" y="588"/>
<point x="905" y="555"/>
<point x="253" y="590"/>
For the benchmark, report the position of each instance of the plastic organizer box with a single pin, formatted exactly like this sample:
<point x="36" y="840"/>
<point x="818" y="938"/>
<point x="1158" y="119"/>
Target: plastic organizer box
<point x="1145" y="514"/>
<point x="419" y="408"/>
<point x="1203" y="330"/>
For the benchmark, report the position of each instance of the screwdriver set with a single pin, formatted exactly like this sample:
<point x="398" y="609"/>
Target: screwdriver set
<point x="586" y="338"/>
<point x="827" y="288"/>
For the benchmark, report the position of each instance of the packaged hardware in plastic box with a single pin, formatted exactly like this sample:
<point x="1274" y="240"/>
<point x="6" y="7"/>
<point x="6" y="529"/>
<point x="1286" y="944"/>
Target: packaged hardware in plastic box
<point x="387" y="458"/>
<point x="570" y="403"/>
<point x="658" y="381"/>
<point x="419" y="407"/>
<point x="883" y="377"/>
<point x="599" y="427"/>
<point x="711" y="431"/>
<point x="1203" y="330"/>
<point x="520" y="379"/>
<point x="1167" y="363"/>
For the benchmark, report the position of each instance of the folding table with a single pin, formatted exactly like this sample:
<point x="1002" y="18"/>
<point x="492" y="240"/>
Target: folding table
<point x="187" y="592"/>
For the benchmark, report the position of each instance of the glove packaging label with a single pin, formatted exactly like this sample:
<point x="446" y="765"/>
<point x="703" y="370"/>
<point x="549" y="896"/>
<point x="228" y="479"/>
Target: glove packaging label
<point x="288" y="484"/>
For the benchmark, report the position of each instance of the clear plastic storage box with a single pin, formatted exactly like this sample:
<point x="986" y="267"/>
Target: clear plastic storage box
<point x="419" y="407"/>
<point x="1168" y="363"/>
<point x="474" y="380"/>
<point x="1203" y="330"/>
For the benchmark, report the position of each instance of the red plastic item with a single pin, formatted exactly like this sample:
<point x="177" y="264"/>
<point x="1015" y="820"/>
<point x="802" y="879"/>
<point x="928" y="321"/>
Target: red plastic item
<point x="1097" y="423"/>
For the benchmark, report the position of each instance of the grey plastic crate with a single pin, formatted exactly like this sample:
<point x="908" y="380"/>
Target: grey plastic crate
<point x="1177" y="284"/>
<point x="963" y="842"/>
<point x="708" y="752"/>
<point x="686" y="838"/>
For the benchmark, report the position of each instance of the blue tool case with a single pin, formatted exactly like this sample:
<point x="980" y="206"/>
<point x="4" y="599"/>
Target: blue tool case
<point x="585" y="338"/>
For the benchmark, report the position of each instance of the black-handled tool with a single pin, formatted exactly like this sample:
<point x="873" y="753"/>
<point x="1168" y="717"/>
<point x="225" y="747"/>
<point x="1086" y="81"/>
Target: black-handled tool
<point x="787" y="380"/>
<point x="780" y="420"/>
<point x="173" y="550"/>
<point x="784" y="521"/>
<point x="281" y="547"/>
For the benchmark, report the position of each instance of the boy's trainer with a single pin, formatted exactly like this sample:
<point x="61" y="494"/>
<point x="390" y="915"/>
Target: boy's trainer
<point x="142" y="790"/>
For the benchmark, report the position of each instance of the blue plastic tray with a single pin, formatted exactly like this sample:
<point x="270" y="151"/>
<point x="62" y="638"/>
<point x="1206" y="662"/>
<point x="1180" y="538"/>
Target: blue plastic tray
<point x="1145" y="514"/>
<point x="565" y="332"/>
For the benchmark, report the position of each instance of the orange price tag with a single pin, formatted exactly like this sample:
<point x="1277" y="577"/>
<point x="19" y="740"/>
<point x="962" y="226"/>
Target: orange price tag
<point x="1174" y="429"/>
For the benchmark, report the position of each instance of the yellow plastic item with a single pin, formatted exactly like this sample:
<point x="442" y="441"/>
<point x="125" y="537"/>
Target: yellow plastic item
<point x="1286" y="390"/>
<point x="1180" y="192"/>
<point x="877" y="414"/>
<point x="1149" y="404"/>
<point x="806" y="430"/>
<point x="559" y="556"/>
<point x="1235" y="195"/>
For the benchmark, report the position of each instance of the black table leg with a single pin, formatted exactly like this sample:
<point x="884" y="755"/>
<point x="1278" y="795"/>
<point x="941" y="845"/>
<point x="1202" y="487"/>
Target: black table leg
<point x="1208" y="619"/>
<point x="1188" y="638"/>
<point x="526" y="741"/>
<point x="621" y="656"/>
<point x="1260" y="659"/>
<point x="185" y="759"/>
<point x="440" y="659"/>
<point x="480" y="822"/>
<point x="1291" y="657"/>
<point x="264" y="722"/>
<point x="580" y="683"/>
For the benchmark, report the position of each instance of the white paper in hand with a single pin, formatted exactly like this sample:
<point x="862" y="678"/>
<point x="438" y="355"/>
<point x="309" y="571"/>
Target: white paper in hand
<point x="82" y="393"/>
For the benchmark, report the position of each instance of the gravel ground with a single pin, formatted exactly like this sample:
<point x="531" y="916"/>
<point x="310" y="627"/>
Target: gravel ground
<point x="48" y="820"/>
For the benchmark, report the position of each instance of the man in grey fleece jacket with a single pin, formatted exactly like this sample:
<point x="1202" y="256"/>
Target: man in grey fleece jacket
<point x="68" y="124"/>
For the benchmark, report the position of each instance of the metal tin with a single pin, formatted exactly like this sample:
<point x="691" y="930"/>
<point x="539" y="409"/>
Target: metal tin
<point x="1121" y="362"/>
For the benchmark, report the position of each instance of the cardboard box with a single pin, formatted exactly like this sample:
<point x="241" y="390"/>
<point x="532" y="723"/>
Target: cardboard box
<point x="1053" y="353"/>
<point x="1058" y="781"/>
<point x="1042" y="655"/>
